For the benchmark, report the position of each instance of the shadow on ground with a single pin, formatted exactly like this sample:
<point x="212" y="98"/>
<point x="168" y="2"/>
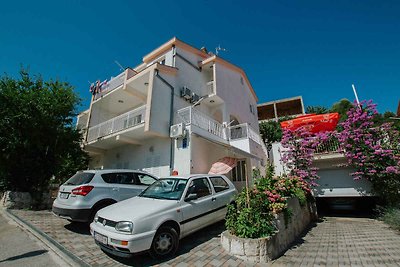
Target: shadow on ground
<point x="185" y="245"/>
<point x="79" y="228"/>
<point x="26" y="255"/>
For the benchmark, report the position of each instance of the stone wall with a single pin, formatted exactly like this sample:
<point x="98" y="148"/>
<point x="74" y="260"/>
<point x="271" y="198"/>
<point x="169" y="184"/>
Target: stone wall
<point x="23" y="200"/>
<point x="269" y="248"/>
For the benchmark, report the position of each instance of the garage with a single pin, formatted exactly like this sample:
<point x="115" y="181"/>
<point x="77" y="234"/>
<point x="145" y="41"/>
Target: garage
<point x="339" y="192"/>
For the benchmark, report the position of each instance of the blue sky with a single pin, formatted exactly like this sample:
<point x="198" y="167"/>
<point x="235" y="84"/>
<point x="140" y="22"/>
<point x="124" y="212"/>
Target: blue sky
<point x="316" y="49"/>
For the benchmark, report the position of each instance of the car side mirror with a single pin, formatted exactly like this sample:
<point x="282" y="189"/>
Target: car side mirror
<point x="191" y="197"/>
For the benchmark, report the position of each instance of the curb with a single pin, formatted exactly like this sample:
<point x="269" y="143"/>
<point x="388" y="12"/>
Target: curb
<point x="56" y="247"/>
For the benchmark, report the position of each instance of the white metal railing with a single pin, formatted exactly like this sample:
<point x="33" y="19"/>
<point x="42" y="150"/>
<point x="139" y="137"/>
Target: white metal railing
<point x="119" y="123"/>
<point x="210" y="88"/>
<point x="111" y="85"/>
<point x="331" y="145"/>
<point x="244" y="131"/>
<point x="192" y="116"/>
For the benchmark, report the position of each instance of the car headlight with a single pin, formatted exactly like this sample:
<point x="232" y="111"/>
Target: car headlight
<point x="96" y="217"/>
<point x="126" y="227"/>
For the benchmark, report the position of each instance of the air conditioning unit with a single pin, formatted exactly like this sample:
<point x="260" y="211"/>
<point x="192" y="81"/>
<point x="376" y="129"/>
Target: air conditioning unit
<point x="195" y="98"/>
<point x="186" y="93"/>
<point x="177" y="130"/>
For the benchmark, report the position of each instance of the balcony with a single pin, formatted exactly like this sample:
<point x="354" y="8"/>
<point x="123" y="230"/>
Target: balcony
<point x="203" y="125"/>
<point x="118" y="124"/>
<point x="113" y="84"/>
<point x="238" y="136"/>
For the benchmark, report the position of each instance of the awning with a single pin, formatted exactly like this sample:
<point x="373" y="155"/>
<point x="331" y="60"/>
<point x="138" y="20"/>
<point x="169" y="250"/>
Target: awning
<point x="314" y="123"/>
<point x="223" y="166"/>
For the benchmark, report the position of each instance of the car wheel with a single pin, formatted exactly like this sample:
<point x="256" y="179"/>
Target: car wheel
<point x="165" y="243"/>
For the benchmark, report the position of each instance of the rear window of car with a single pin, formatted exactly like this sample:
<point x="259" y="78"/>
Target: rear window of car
<point x="80" y="178"/>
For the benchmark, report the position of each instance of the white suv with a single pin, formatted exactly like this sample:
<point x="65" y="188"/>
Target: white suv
<point x="86" y="192"/>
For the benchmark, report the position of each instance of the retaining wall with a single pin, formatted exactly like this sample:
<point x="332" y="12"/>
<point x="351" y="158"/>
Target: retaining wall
<point x="269" y="248"/>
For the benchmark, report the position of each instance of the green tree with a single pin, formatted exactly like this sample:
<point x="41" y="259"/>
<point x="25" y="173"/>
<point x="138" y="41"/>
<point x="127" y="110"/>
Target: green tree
<point x="316" y="110"/>
<point x="342" y="107"/>
<point x="37" y="138"/>
<point x="270" y="132"/>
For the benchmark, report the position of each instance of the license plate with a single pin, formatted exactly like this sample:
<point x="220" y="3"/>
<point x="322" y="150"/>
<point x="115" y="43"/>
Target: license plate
<point x="101" y="238"/>
<point x="64" y="195"/>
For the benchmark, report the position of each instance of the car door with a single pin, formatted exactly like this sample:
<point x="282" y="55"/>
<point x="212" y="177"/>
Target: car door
<point x="223" y="196"/>
<point x="128" y="185"/>
<point x="197" y="213"/>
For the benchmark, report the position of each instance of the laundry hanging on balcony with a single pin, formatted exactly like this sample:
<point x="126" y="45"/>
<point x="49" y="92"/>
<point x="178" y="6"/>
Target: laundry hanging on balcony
<point x="97" y="87"/>
<point x="223" y="166"/>
<point x="314" y="123"/>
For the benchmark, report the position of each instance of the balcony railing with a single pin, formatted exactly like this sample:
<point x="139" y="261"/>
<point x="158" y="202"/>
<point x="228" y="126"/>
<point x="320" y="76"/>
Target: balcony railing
<point x="331" y="145"/>
<point x="119" y="123"/>
<point x="244" y="131"/>
<point x="111" y="85"/>
<point x="195" y="117"/>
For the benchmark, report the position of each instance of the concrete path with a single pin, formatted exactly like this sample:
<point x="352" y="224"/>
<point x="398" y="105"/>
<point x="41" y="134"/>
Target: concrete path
<point x="339" y="241"/>
<point x="18" y="248"/>
<point x="333" y="241"/>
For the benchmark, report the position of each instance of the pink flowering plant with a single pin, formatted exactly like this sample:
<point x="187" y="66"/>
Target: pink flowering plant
<point x="373" y="150"/>
<point x="253" y="212"/>
<point x="299" y="147"/>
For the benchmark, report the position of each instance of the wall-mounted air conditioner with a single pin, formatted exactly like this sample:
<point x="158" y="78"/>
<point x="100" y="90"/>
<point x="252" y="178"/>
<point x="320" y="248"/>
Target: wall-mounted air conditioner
<point x="177" y="130"/>
<point x="195" y="98"/>
<point x="186" y="93"/>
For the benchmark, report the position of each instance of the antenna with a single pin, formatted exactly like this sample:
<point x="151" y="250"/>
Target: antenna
<point x="355" y="93"/>
<point x="219" y="48"/>
<point x="119" y="65"/>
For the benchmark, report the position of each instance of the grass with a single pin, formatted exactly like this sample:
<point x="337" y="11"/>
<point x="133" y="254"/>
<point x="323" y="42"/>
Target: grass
<point x="391" y="216"/>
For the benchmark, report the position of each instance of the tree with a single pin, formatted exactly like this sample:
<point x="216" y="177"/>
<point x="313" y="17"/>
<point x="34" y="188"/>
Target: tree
<point x="270" y="132"/>
<point x="342" y="107"/>
<point x="37" y="138"/>
<point x="316" y="110"/>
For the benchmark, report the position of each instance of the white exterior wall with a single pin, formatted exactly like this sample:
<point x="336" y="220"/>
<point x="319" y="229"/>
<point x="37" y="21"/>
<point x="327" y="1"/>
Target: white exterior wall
<point x="160" y="108"/>
<point x="152" y="156"/>
<point x="237" y="96"/>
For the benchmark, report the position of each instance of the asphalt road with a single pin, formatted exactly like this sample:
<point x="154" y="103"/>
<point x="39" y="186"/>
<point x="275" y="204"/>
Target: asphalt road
<point x="18" y="248"/>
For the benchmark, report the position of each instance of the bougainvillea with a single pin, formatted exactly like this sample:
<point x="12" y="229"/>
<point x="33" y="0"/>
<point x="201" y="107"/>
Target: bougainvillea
<point x="299" y="146"/>
<point x="373" y="150"/>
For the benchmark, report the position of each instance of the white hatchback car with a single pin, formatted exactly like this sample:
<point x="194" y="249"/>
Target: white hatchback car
<point x="81" y="196"/>
<point x="160" y="216"/>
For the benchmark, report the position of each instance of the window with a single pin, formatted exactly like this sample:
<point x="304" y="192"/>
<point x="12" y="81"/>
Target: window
<point x="80" y="178"/>
<point x="219" y="184"/>
<point x="145" y="179"/>
<point x="239" y="172"/>
<point x="200" y="186"/>
<point x="119" y="178"/>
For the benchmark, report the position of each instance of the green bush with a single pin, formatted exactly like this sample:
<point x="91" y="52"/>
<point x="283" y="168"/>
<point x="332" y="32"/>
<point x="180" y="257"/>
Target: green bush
<point x="249" y="221"/>
<point x="253" y="213"/>
<point x="391" y="216"/>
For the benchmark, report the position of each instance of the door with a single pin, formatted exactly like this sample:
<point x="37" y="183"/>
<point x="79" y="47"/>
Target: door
<point x="197" y="213"/>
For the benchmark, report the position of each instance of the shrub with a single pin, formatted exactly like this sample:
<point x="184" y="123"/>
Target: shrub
<point x="253" y="213"/>
<point x="391" y="216"/>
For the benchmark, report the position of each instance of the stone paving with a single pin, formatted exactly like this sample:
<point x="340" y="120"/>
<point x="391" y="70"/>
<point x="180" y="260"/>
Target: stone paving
<point x="334" y="241"/>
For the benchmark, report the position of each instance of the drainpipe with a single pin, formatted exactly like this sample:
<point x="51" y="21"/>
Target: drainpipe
<point x="171" y="116"/>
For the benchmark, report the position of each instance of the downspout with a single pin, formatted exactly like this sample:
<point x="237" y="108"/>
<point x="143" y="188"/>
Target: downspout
<point x="171" y="117"/>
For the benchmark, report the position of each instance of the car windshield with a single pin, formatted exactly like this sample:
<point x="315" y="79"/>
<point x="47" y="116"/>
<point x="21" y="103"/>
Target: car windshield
<point x="80" y="178"/>
<point x="167" y="188"/>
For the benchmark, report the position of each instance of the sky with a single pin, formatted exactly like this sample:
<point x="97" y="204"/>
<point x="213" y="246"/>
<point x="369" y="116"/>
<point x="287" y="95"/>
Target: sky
<point x="316" y="49"/>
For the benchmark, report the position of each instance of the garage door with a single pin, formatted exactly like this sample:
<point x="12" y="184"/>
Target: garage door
<point x="339" y="183"/>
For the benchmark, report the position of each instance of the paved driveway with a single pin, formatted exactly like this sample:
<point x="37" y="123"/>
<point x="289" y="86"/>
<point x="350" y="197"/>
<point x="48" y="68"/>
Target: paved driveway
<point x="333" y="241"/>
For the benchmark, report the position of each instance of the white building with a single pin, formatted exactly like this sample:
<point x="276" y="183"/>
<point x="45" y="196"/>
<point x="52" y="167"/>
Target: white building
<point x="208" y="101"/>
